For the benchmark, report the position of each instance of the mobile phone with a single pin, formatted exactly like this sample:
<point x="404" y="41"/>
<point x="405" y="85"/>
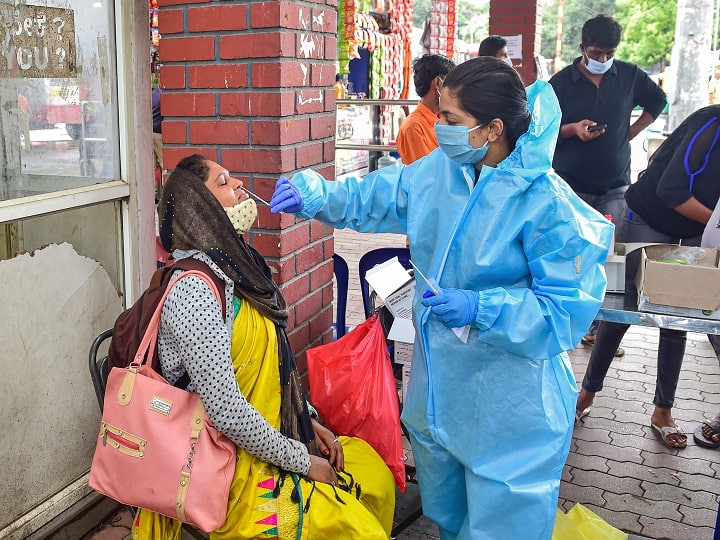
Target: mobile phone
<point x="597" y="127"/>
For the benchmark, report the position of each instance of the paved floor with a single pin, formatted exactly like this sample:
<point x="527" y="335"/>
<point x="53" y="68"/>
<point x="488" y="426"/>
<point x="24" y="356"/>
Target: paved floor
<point x="617" y="467"/>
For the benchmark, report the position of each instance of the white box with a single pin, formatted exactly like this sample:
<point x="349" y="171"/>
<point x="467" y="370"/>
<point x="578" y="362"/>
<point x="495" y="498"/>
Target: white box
<point x="615" y="270"/>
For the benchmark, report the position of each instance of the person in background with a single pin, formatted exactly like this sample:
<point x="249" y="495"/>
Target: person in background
<point x="24" y="120"/>
<point x="495" y="46"/>
<point x="416" y="137"/>
<point x="714" y="87"/>
<point x="241" y="364"/>
<point x="597" y="95"/>
<point x="671" y="202"/>
<point x="707" y="434"/>
<point x="516" y="258"/>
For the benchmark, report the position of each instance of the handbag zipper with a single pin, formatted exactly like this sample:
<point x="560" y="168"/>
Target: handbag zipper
<point x="122" y="441"/>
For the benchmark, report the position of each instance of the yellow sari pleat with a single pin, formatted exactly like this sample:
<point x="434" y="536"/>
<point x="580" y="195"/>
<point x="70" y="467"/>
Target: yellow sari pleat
<point x="253" y="511"/>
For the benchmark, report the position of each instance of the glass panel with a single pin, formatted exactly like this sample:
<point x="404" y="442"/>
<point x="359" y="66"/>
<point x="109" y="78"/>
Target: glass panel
<point x="58" y="107"/>
<point x="354" y="126"/>
<point x="367" y="123"/>
<point x="86" y="229"/>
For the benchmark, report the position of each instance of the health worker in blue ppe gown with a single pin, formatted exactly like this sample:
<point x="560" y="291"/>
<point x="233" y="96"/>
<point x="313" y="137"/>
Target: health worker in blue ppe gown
<point x="518" y="260"/>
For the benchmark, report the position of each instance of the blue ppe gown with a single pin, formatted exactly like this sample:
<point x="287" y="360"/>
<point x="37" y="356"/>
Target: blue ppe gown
<point x="490" y="419"/>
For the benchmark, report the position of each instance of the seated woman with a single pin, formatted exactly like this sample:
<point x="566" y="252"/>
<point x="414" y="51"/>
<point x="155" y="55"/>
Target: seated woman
<point x="241" y="364"/>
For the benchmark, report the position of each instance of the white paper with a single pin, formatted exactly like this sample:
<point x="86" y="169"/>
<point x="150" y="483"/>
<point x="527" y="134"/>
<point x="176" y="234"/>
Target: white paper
<point x="402" y="330"/>
<point x="387" y="277"/>
<point x="400" y="302"/>
<point x="462" y="333"/>
<point x="514" y="46"/>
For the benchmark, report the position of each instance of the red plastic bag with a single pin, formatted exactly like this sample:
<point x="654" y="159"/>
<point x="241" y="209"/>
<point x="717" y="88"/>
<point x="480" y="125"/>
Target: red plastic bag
<point x="353" y="387"/>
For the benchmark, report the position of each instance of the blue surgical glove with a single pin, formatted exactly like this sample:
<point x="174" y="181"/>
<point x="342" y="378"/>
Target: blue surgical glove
<point x="286" y="198"/>
<point x="454" y="308"/>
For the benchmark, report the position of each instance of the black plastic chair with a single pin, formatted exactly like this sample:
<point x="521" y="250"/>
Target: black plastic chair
<point x="367" y="261"/>
<point x="342" y="278"/>
<point x="373" y="258"/>
<point x="99" y="367"/>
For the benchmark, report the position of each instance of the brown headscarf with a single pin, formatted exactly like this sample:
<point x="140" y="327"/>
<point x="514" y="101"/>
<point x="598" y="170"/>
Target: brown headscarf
<point x="192" y="218"/>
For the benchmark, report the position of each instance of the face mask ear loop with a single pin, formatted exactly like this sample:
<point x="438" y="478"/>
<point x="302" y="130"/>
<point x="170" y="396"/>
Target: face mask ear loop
<point x="686" y="161"/>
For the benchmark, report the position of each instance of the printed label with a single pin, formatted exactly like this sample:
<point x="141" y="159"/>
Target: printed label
<point x="160" y="405"/>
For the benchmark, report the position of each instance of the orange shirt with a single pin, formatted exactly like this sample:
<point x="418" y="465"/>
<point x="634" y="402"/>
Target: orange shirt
<point x="416" y="137"/>
<point x="23" y="103"/>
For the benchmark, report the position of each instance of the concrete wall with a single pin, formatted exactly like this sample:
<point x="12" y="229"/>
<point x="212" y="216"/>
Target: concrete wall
<point x="54" y="302"/>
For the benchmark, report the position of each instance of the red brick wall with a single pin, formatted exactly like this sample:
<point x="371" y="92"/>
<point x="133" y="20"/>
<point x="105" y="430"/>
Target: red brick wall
<point x="249" y="85"/>
<point x="512" y="17"/>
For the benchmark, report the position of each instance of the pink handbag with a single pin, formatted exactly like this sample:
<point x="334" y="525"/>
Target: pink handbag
<point x="157" y="448"/>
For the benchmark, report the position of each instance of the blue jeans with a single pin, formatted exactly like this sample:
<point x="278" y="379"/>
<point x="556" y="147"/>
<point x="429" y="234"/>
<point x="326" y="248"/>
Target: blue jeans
<point x="612" y="203"/>
<point x="671" y="347"/>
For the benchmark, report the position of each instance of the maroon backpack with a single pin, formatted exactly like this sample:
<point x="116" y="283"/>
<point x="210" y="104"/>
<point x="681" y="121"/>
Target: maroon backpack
<point x="130" y="326"/>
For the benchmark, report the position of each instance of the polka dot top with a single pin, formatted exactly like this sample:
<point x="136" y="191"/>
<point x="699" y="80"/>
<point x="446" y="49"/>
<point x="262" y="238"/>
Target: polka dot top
<point x="194" y="338"/>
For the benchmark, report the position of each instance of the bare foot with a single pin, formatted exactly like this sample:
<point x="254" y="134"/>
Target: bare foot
<point x="584" y="400"/>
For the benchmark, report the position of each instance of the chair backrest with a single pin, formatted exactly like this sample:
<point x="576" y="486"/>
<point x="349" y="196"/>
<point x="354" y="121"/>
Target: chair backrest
<point x="375" y="257"/>
<point x="342" y="278"/>
<point x="99" y="366"/>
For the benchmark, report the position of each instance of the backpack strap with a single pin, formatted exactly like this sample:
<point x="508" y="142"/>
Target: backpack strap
<point x="190" y="263"/>
<point x="148" y="345"/>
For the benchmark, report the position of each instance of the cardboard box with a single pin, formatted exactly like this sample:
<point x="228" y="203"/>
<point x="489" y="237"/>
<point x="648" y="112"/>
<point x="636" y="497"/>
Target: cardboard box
<point x="677" y="289"/>
<point x="615" y="270"/>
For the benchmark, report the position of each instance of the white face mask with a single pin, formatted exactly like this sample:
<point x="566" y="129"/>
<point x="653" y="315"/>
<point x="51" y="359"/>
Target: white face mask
<point x="242" y="215"/>
<point x="598" y="68"/>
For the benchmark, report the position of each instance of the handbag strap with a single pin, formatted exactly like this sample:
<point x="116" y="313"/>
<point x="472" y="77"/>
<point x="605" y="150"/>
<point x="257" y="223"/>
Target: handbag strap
<point x="147" y="345"/>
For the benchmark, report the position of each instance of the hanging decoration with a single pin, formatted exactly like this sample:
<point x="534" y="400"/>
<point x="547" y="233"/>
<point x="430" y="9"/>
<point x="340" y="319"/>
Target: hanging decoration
<point x="402" y="13"/>
<point x="154" y="32"/>
<point x="384" y="28"/>
<point x="443" y="19"/>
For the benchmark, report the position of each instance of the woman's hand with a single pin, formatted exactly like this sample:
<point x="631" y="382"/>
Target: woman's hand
<point x="329" y="445"/>
<point x="287" y="198"/>
<point x="454" y="308"/>
<point x="321" y="471"/>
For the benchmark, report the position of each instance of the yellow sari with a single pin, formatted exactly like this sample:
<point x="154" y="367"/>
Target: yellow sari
<point x="260" y="504"/>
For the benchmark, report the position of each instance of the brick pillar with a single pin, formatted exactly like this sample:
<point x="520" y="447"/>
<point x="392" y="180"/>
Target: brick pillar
<point x="250" y="85"/>
<point x="512" y="17"/>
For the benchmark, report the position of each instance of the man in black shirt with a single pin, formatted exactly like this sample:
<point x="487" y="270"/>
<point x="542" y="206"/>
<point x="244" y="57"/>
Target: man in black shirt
<point x="597" y="95"/>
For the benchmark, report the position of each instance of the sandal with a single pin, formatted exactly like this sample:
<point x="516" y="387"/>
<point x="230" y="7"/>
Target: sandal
<point x="672" y="436"/>
<point x="579" y="415"/>
<point x="714" y="426"/>
<point x="588" y="339"/>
